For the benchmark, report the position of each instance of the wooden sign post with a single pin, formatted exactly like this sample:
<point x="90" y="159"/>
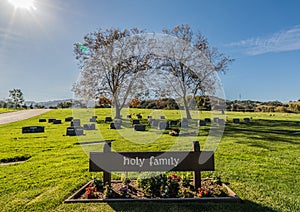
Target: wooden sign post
<point x="195" y="161"/>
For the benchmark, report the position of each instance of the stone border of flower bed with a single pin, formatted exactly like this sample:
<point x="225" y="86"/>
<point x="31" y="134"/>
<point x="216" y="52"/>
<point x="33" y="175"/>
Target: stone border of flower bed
<point x="74" y="198"/>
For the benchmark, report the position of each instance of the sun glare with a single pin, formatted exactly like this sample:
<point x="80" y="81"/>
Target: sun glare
<point x="23" y="4"/>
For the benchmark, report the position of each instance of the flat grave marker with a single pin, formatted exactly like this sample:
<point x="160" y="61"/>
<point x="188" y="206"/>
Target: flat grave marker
<point x="33" y="129"/>
<point x="50" y="120"/>
<point x="56" y="121"/>
<point x="68" y="119"/>
<point x="135" y="121"/>
<point x="108" y="119"/>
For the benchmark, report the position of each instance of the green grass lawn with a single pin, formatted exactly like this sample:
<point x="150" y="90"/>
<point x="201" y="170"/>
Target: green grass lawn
<point x="260" y="160"/>
<point x="6" y="110"/>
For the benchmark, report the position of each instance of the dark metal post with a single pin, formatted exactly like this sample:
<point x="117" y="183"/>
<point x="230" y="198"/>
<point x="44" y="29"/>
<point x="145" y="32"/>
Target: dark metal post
<point x="107" y="175"/>
<point x="197" y="174"/>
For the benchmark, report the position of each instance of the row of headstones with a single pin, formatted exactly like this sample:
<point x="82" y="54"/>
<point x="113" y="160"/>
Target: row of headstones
<point x="237" y="120"/>
<point x="140" y="116"/>
<point x="76" y="128"/>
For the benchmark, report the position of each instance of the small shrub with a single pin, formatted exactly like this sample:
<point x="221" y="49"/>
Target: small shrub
<point x="108" y="192"/>
<point x="98" y="183"/>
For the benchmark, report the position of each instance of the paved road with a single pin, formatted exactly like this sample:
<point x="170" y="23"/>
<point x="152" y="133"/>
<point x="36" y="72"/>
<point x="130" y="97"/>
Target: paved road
<point x="6" y="118"/>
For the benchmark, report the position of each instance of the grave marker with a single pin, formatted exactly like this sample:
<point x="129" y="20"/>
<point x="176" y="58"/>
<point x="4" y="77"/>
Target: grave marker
<point x="154" y="123"/>
<point x="50" y="120"/>
<point x="75" y="123"/>
<point x="207" y="120"/>
<point x="89" y="127"/>
<point x="68" y="119"/>
<point x="236" y="121"/>
<point x="184" y="123"/>
<point x="173" y="123"/>
<point x="56" y="121"/>
<point x="162" y="125"/>
<point x="135" y="121"/>
<point x="195" y="161"/>
<point x="140" y="127"/>
<point x="201" y="123"/>
<point x="42" y="120"/>
<point x="33" y="129"/>
<point x="247" y="120"/>
<point x="107" y="119"/>
<point x="73" y="131"/>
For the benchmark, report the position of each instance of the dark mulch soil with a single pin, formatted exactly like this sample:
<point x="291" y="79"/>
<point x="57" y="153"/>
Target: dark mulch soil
<point x="134" y="192"/>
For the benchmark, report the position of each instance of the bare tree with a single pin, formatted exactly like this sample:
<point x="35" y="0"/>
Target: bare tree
<point x="190" y="65"/>
<point x="112" y="62"/>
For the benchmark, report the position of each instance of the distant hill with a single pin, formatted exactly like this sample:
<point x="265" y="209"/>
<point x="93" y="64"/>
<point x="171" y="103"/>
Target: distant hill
<point x="52" y="103"/>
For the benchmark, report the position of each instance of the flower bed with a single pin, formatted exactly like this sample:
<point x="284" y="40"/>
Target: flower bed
<point x="159" y="188"/>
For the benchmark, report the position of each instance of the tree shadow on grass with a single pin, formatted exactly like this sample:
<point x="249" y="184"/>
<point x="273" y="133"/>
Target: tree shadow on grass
<point x="266" y="130"/>
<point x="188" y="206"/>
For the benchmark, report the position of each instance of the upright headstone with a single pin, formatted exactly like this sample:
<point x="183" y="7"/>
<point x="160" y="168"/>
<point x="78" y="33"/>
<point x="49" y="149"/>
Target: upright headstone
<point x="173" y="123"/>
<point x="221" y="122"/>
<point x="236" y="121"/>
<point x="93" y="119"/>
<point x="89" y="127"/>
<point x="162" y="125"/>
<point x="75" y="123"/>
<point x="118" y="123"/>
<point x="154" y="123"/>
<point x="216" y="120"/>
<point x="201" y="123"/>
<point x="247" y="120"/>
<point x="184" y="123"/>
<point x="139" y="127"/>
<point x="73" y="131"/>
<point x="207" y="120"/>
<point x="162" y="117"/>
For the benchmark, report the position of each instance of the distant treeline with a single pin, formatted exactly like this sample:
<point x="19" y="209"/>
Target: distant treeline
<point x="203" y="103"/>
<point x="256" y="106"/>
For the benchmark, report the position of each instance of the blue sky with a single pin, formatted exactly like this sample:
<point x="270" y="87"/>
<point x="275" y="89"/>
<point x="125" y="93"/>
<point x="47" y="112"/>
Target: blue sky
<point x="263" y="36"/>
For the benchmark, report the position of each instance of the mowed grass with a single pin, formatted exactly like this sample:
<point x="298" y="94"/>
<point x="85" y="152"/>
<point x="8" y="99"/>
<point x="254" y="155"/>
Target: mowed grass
<point x="260" y="160"/>
<point x="6" y="110"/>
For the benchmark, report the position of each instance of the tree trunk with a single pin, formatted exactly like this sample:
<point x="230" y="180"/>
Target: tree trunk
<point x="118" y="112"/>
<point x="186" y="107"/>
<point x="118" y="108"/>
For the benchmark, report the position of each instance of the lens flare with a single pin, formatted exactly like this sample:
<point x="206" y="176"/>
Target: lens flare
<point x="23" y="4"/>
